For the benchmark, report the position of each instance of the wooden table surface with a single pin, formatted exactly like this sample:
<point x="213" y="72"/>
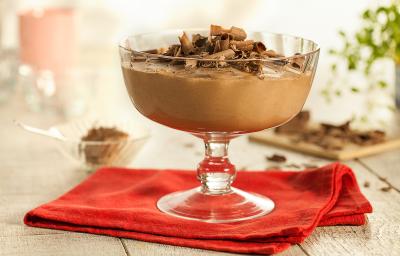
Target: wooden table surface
<point x="33" y="172"/>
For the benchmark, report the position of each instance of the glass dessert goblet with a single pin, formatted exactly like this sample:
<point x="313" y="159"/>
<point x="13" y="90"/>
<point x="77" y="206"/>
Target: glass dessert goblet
<point x="217" y="97"/>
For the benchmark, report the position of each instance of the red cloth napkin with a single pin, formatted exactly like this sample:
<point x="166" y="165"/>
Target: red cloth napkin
<point x="122" y="202"/>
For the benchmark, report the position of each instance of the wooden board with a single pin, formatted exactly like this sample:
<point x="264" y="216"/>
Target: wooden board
<point x="348" y="152"/>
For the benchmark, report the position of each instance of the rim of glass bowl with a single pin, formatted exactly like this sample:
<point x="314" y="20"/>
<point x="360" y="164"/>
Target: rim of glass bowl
<point x="145" y="136"/>
<point x="113" y="142"/>
<point x="169" y="31"/>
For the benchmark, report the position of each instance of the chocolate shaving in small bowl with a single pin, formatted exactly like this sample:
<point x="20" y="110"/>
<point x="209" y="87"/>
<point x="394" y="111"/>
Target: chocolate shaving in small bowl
<point x="102" y="154"/>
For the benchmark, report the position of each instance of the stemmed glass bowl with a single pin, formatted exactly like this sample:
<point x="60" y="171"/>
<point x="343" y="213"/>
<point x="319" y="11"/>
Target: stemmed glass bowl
<point x="217" y="103"/>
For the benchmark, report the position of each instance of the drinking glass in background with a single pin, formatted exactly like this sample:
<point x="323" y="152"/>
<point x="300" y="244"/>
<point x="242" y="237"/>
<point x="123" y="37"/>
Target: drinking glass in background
<point x="47" y="38"/>
<point x="69" y="93"/>
<point x="48" y="72"/>
<point x="8" y="74"/>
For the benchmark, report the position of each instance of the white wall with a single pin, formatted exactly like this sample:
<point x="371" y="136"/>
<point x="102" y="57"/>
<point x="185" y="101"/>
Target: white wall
<point x="105" y="22"/>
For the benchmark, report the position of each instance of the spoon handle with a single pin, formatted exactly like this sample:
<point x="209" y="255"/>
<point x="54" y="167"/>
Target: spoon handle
<point x="39" y="131"/>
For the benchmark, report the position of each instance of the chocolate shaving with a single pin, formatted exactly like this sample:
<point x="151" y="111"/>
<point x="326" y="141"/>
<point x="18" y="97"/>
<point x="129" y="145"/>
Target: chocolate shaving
<point x="199" y="40"/>
<point x="102" y="154"/>
<point x="217" y="46"/>
<point x="386" y="189"/>
<point x="174" y="50"/>
<point x="242" y="45"/>
<point x="186" y="45"/>
<point x="277" y="158"/>
<point x="368" y="137"/>
<point x="222" y="44"/>
<point x="260" y="47"/>
<point x="216" y="30"/>
<point x="237" y="33"/>
<point x="298" y="62"/>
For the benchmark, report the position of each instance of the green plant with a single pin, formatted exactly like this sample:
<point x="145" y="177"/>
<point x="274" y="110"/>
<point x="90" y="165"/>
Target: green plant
<point x="378" y="38"/>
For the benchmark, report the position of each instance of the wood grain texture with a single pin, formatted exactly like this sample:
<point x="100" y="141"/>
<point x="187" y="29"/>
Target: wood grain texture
<point x="12" y="211"/>
<point x="148" y="249"/>
<point x="61" y="244"/>
<point x="381" y="236"/>
<point x="386" y="166"/>
<point x="347" y="153"/>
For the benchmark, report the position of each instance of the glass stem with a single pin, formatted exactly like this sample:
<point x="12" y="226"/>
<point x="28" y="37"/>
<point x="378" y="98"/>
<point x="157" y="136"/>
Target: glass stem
<point x="215" y="172"/>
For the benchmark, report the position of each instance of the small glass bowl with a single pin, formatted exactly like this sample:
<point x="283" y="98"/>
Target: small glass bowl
<point x="95" y="154"/>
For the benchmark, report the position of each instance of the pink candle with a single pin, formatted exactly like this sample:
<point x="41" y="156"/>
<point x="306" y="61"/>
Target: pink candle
<point x="48" y="38"/>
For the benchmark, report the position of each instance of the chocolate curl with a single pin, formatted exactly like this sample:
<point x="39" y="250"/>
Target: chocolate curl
<point x="237" y="33"/>
<point x="199" y="40"/>
<point x="259" y="47"/>
<point x="217" y="47"/>
<point x="242" y="45"/>
<point x="216" y="30"/>
<point x="186" y="45"/>
<point x="298" y="62"/>
<point x="224" y="42"/>
<point x="173" y="50"/>
<point x="227" y="54"/>
<point x="177" y="51"/>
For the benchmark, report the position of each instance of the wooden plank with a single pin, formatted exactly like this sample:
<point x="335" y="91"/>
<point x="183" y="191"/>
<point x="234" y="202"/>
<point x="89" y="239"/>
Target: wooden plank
<point x="40" y="178"/>
<point x="380" y="236"/>
<point x="12" y="211"/>
<point x="347" y="153"/>
<point x="386" y="166"/>
<point x="149" y="249"/>
<point x="61" y="244"/>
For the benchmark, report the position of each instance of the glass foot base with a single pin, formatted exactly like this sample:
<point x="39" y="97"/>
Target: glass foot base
<point x="236" y="205"/>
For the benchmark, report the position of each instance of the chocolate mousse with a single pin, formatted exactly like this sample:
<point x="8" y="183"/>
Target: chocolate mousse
<point x="221" y="82"/>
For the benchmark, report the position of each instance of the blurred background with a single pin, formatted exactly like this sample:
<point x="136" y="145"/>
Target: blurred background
<point x="59" y="59"/>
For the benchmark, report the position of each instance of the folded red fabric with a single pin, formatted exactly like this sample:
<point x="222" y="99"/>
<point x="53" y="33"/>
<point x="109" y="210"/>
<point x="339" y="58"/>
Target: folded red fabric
<point x="122" y="202"/>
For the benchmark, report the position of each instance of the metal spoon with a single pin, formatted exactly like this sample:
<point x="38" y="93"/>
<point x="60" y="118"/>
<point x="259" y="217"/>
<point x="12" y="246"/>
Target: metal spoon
<point x="52" y="132"/>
